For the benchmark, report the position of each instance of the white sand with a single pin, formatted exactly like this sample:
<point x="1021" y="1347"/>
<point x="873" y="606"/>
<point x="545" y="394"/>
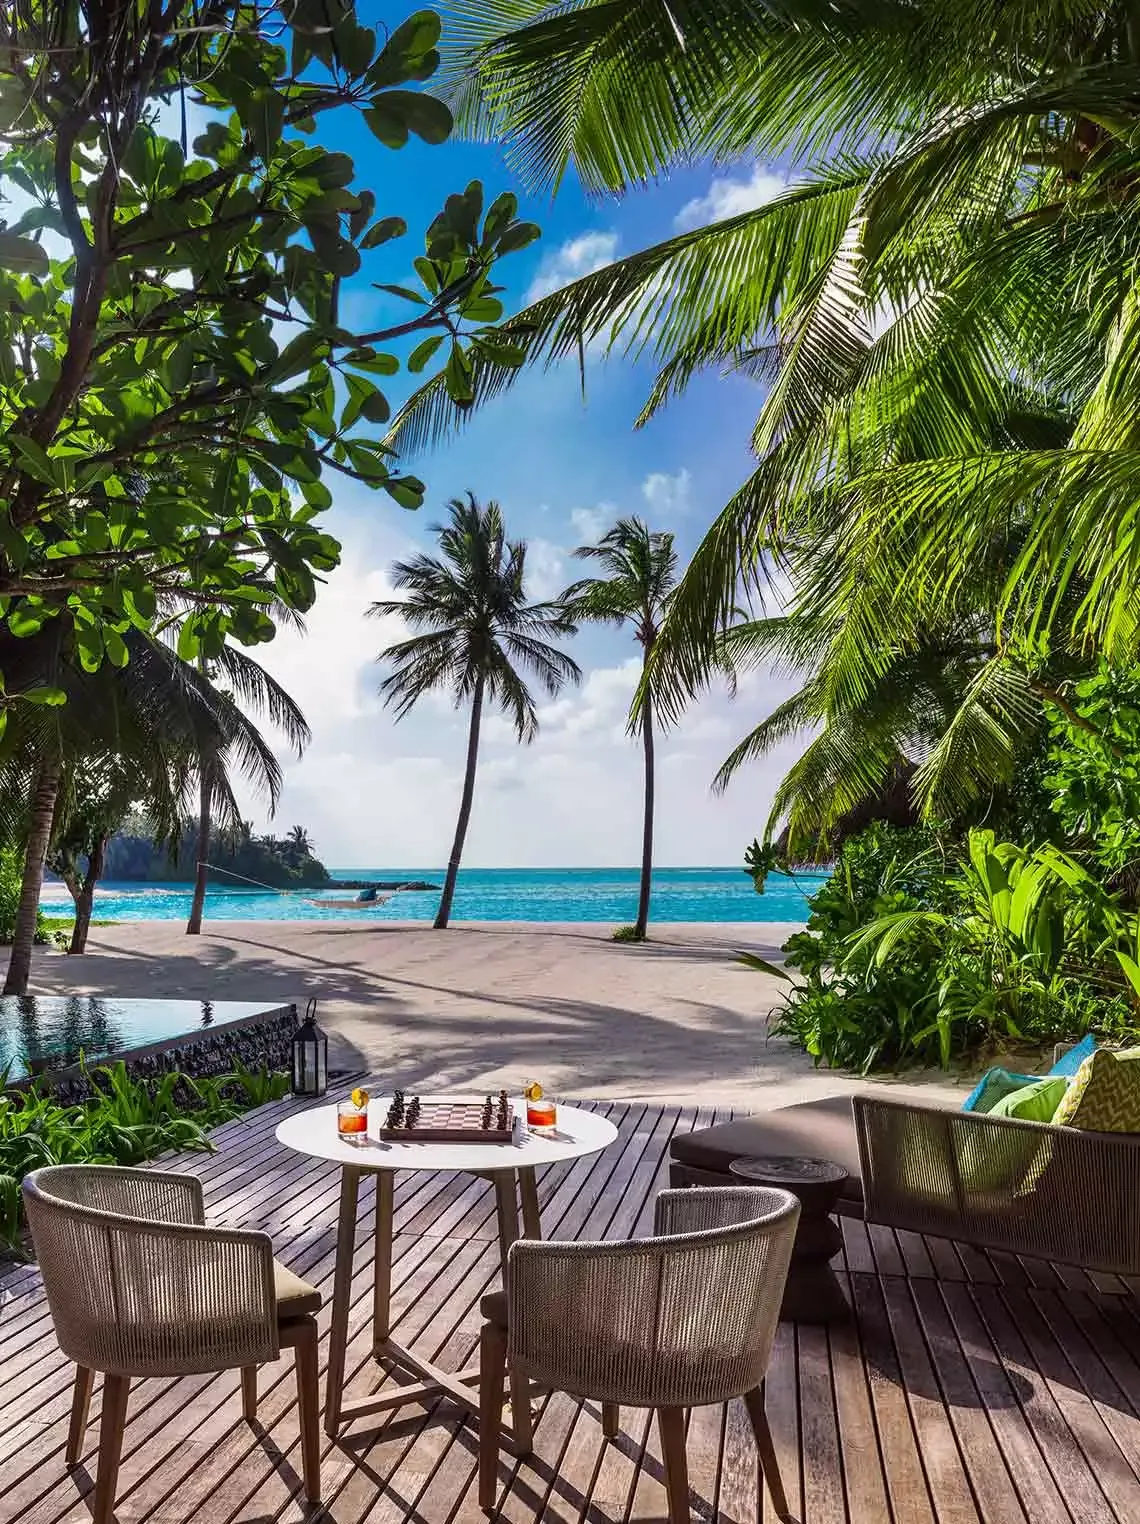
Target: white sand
<point x="488" y="1003"/>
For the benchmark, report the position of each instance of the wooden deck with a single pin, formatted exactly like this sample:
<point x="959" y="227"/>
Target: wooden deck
<point x="967" y="1388"/>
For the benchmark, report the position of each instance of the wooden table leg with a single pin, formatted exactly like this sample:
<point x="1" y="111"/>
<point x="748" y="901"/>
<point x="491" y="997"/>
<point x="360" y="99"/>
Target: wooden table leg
<point x="507" y="1211"/>
<point x="506" y="1204"/>
<point x="528" y="1192"/>
<point x="342" y="1293"/>
<point x="382" y="1264"/>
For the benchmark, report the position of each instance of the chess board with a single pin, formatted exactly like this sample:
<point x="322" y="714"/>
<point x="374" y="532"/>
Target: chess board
<point x="417" y="1121"/>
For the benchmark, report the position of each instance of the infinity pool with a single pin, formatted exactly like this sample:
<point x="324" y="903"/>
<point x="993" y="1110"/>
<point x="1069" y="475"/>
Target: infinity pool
<point x="38" y="1031"/>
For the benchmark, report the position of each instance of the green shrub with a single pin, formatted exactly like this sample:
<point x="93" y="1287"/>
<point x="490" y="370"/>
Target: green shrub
<point x="915" y="956"/>
<point x="11" y="875"/>
<point x="628" y="934"/>
<point x="127" y="1121"/>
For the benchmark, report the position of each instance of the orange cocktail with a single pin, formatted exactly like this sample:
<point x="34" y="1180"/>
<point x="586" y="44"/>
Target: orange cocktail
<point x="352" y="1116"/>
<point x="541" y="1110"/>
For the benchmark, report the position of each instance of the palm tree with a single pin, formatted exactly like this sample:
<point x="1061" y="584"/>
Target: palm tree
<point x="476" y="634"/>
<point x="639" y="572"/>
<point x="157" y="713"/>
<point x="946" y="304"/>
<point x="300" y="841"/>
<point x="234" y="738"/>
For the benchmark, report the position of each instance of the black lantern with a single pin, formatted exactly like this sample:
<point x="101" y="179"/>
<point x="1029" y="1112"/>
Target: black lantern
<point x="310" y="1055"/>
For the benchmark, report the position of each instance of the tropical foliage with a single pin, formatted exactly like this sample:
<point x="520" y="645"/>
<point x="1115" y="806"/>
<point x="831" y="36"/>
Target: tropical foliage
<point x="267" y="859"/>
<point x="919" y="951"/>
<point x="476" y="635"/>
<point x="177" y="383"/>
<point x="127" y="1121"/>
<point x="139" y="734"/>
<point x="638" y="571"/>
<point x="943" y="306"/>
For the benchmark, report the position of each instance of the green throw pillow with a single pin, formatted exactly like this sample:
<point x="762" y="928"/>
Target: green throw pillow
<point x="1103" y="1097"/>
<point x="1033" y="1103"/>
<point x="993" y="1087"/>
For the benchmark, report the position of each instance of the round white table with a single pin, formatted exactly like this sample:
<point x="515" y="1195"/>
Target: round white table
<point x="313" y="1132"/>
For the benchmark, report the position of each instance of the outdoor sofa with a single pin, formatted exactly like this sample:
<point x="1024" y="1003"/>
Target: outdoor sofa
<point x="1057" y="1193"/>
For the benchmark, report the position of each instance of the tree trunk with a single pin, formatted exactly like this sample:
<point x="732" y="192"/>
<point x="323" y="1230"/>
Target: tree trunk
<point x="445" y="899"/>
<point x="205" y="800"/>
<point x="647" y="823"/>
<point x="86" y="897"/>
<point x="45" y="789"/>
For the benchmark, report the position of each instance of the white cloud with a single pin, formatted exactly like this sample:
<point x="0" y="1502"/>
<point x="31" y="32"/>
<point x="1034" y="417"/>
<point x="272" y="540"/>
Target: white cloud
<point x="727" y="197"/>
<point x="570" y="261"/>
<point x="590" y="524"/>
<point x="545" y="569"/>
<point x="667" y="496"/>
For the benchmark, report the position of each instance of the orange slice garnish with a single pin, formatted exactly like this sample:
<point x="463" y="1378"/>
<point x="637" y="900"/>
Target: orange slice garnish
<point x="359" y="1098"/>
<point x="533" y="1091"/>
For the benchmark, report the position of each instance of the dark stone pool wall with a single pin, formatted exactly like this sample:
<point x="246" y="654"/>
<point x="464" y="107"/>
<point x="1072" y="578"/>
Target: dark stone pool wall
<point x="255" y="1040"/>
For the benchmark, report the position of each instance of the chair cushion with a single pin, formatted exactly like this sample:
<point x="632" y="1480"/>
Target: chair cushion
<point x="1034" y="1102"/>
<point x="1071" y="1061"/>
<point x="994" y="1086"/>
<point x="822" y="1129"/>
<point x="295" y="1297"/>
<point x="1104" y="1096"/>
<point x="494" y="1308"/>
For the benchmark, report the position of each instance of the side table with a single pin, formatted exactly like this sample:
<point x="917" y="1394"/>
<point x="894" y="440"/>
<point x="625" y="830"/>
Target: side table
<point x="813" y="1293"/>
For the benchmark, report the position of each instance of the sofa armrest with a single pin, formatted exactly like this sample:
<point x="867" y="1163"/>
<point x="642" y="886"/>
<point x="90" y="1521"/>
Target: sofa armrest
<point x="1001" y="1183"/>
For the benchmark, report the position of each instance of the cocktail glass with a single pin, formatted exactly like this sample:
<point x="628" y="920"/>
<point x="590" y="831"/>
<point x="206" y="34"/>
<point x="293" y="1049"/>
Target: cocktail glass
<point x="352" y="1121"/>
<point x="542" y="1115"/>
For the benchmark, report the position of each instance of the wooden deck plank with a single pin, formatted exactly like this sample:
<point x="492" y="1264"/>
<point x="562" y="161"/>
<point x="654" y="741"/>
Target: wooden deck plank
<point x="966" y="1389"/>
<point x="993" y="1487"/>
<point x="941" y="1460"/>
<point x="1036" y="1489"/>
<point x="1075" y="1480"/>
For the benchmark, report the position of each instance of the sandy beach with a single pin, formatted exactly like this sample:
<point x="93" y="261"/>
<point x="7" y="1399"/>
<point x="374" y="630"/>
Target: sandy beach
<point x="490" y="1003"/>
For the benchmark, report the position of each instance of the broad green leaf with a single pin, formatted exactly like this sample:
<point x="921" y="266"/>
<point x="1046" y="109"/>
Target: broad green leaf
<point x="22" y="255"/>
<point x="52" y="697"/>
<point x="423" y="352"/>
<point x="383" y="231"/>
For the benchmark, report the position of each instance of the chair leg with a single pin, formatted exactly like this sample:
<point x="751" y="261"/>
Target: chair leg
<point x="754" y="1402"/>
<point x="492" y="1376"/>
<point x="671" y="1422"/>
<point x="309" y="1407"/>
<point x="611" y="1419"/>
<point x="522" y="1422"/>
<point x="80" y="1403"/>
<point x="249" y="1392"/>
<point x="111" y="1426"/>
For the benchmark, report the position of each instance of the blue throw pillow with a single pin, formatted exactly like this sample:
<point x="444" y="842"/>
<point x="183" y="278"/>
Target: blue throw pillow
<point x="994" y="1086"/>
<point x="1070" y="1062"/>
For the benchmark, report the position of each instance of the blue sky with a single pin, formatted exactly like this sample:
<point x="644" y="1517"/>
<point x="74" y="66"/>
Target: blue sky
<point x="373" y="792"/>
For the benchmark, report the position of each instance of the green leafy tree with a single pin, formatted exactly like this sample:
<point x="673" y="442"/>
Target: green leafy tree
<point x="96" y="801"/>
<point x="244" y="685"/>
<point x="476" y="635"/>
<point x="159" y="718"/>
<point x="638" y="572"/>
<point x="177" y="386"/>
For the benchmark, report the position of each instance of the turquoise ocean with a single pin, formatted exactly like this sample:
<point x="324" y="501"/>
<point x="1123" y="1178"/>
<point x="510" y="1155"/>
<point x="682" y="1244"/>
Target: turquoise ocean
<point x="483" y="894"/>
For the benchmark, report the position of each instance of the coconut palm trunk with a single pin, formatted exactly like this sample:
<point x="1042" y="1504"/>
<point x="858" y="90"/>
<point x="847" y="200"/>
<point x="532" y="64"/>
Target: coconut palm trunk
<point x="45" y="791"/>
<point x="443" y="914"/>
<point x="84" y="896"/>
<point x="647" y="821"/>
<point x="202" y="854"/>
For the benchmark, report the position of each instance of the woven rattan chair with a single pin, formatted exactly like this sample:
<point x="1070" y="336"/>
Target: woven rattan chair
<point x="680" y="1320"/>
<point x="138" y="1285"/>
